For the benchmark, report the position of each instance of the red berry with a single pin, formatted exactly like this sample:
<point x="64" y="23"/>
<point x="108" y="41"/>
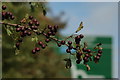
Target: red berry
<point x="62" y="42"/>
<point x="87" y="55"/>
<point x="37" y="23"/>
<point x="70" y="47"/>
<point x="33" y="51"/>
<point x="12" y="17"/>
<point x="81" y="35"/>
<point x="47" y="40"/>
<point x="34" y="20"/>
<point x="30" y="23"/>
<point x="84" y="49"/>
<point x="97" y="57"/>
<point x="37" y="49"/>
<point x="49" y="33"/>
<point x="29" y="33"/>
<point x="99" y="51"/>
<point x="69" y="42"/>
<point x="58" y="44"/>
<point x="17" y="45"/>
<point x="40" y="43"/>
<point x="4" y="7"/>
<point x="18" y="29"/>
<point x="43" y="46"/>
<point x="88" y="50"/>
<point x="30" y="17"/>
<point x="56" y="27"/>
<point x="68" y="51"/>
<point x="49" y="27"/>
<point x="99" y="54"/>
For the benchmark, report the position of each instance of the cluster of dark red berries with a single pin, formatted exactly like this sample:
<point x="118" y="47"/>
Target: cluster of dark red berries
<point x="31" y="26"/>
<point x="6" y="15"/>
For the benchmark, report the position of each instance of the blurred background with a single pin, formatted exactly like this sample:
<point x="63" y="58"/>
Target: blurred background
<point x="100" y="22"/>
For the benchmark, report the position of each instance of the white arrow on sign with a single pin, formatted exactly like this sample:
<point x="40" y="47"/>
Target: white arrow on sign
<point x="75" y="73"/>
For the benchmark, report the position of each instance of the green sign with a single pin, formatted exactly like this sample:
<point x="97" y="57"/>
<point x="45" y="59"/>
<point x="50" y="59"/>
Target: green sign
<point x="103" y="68"/>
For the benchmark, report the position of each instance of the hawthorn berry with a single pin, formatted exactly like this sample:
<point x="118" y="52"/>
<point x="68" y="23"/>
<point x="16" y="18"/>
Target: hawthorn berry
<point x="18" y="29"/>
<point x="37" y="49"/>
<point x="40" y="43"/>
<point x="17" y="45"/>
<point x="58" y="44"/>
<point x="49" y="27"/>
<point x="37" y="23"/>
<point x="81" y="35"/>
<point x="99" y="51"/>
<point x="43" y="46"/>
<point x="88" y="50"/>
<point x="84" y="49"/>
<point x="68" y="51"/>
<point x="85" y="59"/>
<point x="98" y="54"/>
<point x="3" y="7"/>
<point x="87" y="55"/>
<point x="62" y="42"/>
<point x="12" y="17"/>
<point x="34" y="20"/>
<point x="33" y="51"/>
<point x="30" y="17"/>
<point x="70" y="47"/>
<point x="69" y="42"/>
<point x="47" y="40"/>
<point x="30" y="23"/>
<point x="29" y="33"/>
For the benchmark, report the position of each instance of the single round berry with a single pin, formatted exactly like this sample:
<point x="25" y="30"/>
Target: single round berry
<point x="68" y="51"/>
<point x="85" y="59"/>
<point x="37" y="23"/>
<point x="88" y="50"/>
<point x="29" y="33"/>
<point x="17" y="45"/>
<point x="4" y="7"/>
<point x="97" y="57"/>
<point x="62" y="42"/>
<point x="84" y="49"/>
<point x="98" y="54"/>
<point x="33" y="51"/>
<point x="58" y="44"/>
<point x="18" y="29"/>
<point x="43" y="46"/>
<point x="49" y="33"/>
<point x="30" y="23"/>
<point x="30" y="17"/>
<point x="99" y="51"/>
<point x="25" y="32"/>
<point x="49" y="27"/>
<point x="70" y="47"/>
<point x="87" y="55"/>
<point x="22" y="34"/>
<point x="47" y="40"/>
<point x="77" y="37"/>
<point x="34" y="20"/>
<point x="35" y="27"/>
<point x="12" y="17"/>
<point x="40" y="43"/>
<point x="81" y="35"/>
<point x="37" y="49"/>
<point x="69" y="42"/>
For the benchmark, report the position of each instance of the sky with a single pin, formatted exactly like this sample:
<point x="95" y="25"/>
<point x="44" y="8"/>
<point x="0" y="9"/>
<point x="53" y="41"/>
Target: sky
<point x="99" y="19"/>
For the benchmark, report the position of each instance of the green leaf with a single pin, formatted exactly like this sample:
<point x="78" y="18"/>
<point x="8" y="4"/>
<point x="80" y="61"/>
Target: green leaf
<point x="8" y="32"/>
<point x="35" y="39"/>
